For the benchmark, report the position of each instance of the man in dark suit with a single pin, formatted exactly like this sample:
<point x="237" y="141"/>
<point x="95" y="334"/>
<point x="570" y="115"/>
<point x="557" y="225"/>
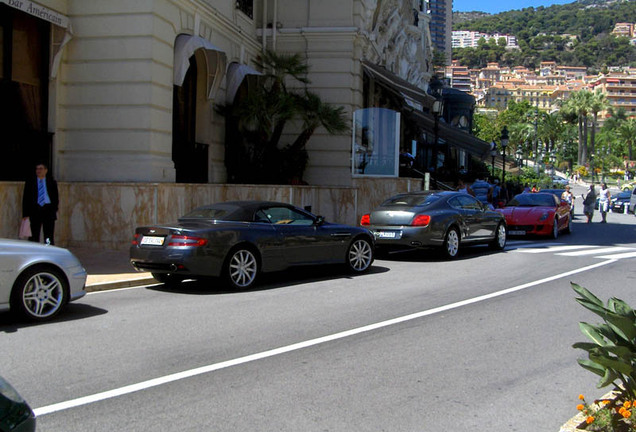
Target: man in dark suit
<point x="40" y="203"/>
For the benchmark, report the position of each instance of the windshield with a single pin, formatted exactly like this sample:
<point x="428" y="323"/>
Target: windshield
<point x="533" y="200"/>
<point x="228" y="212"/>
<point x="411" y="200"/>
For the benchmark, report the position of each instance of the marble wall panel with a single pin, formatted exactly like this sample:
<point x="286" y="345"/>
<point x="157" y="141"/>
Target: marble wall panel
<point x="104" y="215"/>
<point x="10" y="209"/>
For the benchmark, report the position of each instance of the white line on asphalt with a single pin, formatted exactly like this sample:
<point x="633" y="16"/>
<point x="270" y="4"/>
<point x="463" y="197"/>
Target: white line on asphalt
<point x="297" y="346"/>
<point x="556" y="248"/>
<point x="619" y="256"/>
<point x="597" y="251"/>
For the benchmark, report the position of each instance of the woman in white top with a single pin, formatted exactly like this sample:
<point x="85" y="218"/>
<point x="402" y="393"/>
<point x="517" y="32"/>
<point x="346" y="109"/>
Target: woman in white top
<point x="604" y="199"/>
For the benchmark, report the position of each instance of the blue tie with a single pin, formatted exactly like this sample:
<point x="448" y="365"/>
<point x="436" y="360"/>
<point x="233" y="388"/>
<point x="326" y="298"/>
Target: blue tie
<point x="41" y="193"/>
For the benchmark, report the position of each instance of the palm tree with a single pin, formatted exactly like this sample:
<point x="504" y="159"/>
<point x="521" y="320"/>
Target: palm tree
<point x="578" y="105"/>
<point x="260" y="119"/>
<point x="627" y="132"/>
<point x="598" y="103"/>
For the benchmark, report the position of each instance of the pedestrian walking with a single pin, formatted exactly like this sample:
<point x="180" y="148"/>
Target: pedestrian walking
<point x="589" y="201"/>
<point x="40" y="202"/>
<point x="464" y="188"/>
<point x="604" y="199"/>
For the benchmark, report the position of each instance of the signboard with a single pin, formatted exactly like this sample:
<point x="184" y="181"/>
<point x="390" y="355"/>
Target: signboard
<point x="32" y="8"/>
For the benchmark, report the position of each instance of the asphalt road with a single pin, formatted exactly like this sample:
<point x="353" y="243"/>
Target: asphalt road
<point x="482" y="343"/>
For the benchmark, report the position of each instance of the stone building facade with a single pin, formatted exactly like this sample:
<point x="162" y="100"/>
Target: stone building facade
<point x="127" y="91"/>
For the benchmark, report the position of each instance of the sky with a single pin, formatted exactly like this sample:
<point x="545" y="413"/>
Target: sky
<point x="496" y="6"/>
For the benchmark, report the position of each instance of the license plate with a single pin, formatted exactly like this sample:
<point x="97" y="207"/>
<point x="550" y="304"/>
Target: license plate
<point x="388" y="234"/>
<point x="152" y="240"/>
<point x="517" y="232"/>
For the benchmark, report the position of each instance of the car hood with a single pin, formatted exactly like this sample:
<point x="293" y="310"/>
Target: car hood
<point x="29" y="247"/>
<point x="525" y="213"/>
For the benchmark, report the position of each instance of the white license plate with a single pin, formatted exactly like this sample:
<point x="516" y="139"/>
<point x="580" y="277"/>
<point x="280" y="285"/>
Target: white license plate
<point x="388" y="234"/>
<point x="517" y="232"/>
<point x="152" y="240"/>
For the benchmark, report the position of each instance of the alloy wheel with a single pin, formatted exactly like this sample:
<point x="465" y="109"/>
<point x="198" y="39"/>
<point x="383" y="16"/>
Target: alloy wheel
<point x="360" y="255"/>
<point x="242" y="268"/>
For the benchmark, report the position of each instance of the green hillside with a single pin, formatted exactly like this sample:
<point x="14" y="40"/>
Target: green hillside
<point x="543" y="34"/>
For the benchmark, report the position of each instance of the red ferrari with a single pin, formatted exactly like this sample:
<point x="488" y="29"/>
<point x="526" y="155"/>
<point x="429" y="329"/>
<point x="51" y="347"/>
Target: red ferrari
<point x="537" y="214"/>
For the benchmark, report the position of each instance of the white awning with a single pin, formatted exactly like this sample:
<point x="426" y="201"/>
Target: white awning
<point x="185" y="46"/>
<point x="236" y="72"/>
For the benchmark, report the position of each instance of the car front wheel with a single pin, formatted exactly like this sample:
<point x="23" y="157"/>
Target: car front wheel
<point x="241" y="268"/>
<point x="555" y="229"/>
<point x="39" y="293"/>
<point x="500" y="238"/>
<point x="451" y="243"/>
<point x="360" y="255"/>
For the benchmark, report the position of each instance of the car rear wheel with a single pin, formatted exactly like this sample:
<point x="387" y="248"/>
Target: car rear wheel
<point x="360" y="255"/>
<point x="39" y="293"/>
<point x="555" y="229"/>
<point x="451" y="243"/>
<point x="241" y="268"/>
<point x="500" y="238"/>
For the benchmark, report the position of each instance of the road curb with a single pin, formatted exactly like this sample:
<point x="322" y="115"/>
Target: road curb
<point x="124" y="283"/>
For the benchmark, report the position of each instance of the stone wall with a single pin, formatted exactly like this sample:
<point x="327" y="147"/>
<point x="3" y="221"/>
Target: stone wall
<point x="104" y="215"/>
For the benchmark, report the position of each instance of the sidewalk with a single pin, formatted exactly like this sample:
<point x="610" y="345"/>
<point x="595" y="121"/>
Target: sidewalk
<point x="109" y="269"/>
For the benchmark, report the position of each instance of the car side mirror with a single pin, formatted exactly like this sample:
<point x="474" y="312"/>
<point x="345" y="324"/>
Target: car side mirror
<point x="319" y="220"/>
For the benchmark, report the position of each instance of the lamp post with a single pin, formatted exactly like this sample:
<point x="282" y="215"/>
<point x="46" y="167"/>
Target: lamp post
<point x="493" y="153"/>
<point x="436" y="86"/>
<point x="504" y="144"/>
<point x="553" y="162"/>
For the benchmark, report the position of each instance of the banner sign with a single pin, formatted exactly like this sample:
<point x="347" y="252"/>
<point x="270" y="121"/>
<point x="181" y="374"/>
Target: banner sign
<point x="32" y="8"/>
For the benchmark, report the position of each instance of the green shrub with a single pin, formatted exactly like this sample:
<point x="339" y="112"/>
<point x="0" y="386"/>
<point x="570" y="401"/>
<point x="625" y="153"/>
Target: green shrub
<point x="612" y="352"/>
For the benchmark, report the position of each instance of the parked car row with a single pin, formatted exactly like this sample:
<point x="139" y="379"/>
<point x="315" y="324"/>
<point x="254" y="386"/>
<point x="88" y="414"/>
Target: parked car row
<point x="240" y="240"/>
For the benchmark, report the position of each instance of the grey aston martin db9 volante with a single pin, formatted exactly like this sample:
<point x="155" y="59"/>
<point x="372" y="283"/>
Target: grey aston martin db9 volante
<point x="37" y="280"/>
<point x="238" y="240"/>
<point x="435" y="219"/>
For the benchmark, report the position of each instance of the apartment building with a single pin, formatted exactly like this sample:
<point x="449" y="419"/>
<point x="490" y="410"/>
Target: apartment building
<point x="620" y="90"/>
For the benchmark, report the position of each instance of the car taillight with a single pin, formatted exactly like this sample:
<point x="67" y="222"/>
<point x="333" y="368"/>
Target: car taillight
<point x="421" y="220"/>
<point x="135" y="240"/>
<point x="365" y="220"/>
<point x="180" y="240"/>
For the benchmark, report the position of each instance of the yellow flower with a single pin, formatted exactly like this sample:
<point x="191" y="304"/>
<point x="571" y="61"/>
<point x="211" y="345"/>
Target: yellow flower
<point x="581" y="397"/>
<point x="627" y="404"/>
<point x="589" y="420"/>
<point x="626" y="414"/>
<point x="580" y="407"/>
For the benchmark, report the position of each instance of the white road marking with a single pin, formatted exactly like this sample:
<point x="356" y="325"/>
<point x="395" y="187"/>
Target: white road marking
<point x="297" y="346"/>
<point x="619" y="256"/>
<point x="597" y="251"/>
<point x="556" y="248"/>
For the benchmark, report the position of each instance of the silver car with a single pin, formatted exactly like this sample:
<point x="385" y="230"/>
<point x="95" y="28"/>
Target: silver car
<point x="426" y="219"/>
<point x="36" y="280"/>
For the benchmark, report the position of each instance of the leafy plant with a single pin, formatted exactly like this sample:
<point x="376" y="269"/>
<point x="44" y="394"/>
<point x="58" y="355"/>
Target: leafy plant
<point x="612" y="352"/>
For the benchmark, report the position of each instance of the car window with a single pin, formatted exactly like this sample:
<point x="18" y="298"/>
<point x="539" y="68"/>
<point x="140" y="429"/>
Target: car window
<point x="286" y="216"/>
<point x="414" y="200"/>
<point x="455" y="203"/>
<point x="469" y="203"/>
<point x="533" y="200"/>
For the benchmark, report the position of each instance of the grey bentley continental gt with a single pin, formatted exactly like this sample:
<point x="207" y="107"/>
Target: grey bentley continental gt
<point x="441" y="219"/>
<point x="239" y="240"/>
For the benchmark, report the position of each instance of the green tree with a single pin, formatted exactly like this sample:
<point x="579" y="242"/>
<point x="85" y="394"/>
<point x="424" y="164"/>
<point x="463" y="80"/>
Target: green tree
<point x="261" y="120"/>
<point x="627" y="133"/>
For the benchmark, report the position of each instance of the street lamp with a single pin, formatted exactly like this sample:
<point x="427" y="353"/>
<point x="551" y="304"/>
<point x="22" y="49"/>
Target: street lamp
<point x="553" y="162"/>
<point x="519" y="156"/>
<point x="493" y="153"/>
<point x="504" y="144"/>
<point x="436" y="86"/>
